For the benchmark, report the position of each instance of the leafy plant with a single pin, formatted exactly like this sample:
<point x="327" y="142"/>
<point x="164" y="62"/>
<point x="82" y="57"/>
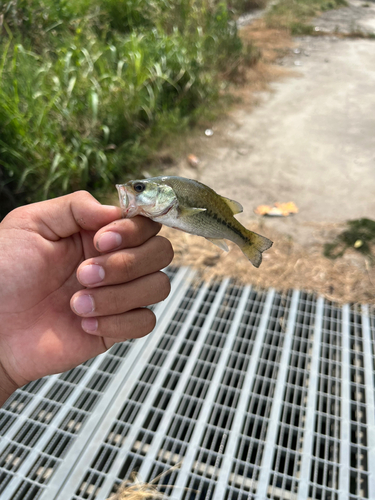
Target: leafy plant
<point x="360" y="235"/>
<point x="89" y="88"/>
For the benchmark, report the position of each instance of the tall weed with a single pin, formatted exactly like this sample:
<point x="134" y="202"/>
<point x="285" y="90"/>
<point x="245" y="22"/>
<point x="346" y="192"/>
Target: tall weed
<point x="87" y="87"/>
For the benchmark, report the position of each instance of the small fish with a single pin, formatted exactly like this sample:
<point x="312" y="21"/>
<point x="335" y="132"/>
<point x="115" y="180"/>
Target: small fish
<point x="193" y="207"/>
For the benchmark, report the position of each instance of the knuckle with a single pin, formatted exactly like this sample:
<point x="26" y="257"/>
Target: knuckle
<point x="126" y="264"/>
<point x="164" y="285"/>
<point x="143" y="229"/>
<point x="118" y="303"/>
<point x="119" y="330"/>
<point x="169" y="252"/>
<point x="138" y="233"/>
<point x="114" y="327"/>
<point x="160" y="252"/>
<point x="134" y="234"/>
<point x="21" y="216"/>
<point x="149" y="320"/>
<point x="121" y="327"/>
<point x="80" y="198"/>
<point x="19" y="212"/>
<point x="81" y="195"/>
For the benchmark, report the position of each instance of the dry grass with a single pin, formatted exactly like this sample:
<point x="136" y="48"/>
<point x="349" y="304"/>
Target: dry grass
<point x="135" y="489"/>
<point x="272" y="42"/>
<point x="286" y="265"/>
<point x="273" y="45"/>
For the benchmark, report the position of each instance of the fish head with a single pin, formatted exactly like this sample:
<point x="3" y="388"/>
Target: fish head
<point x="147" y="197"/>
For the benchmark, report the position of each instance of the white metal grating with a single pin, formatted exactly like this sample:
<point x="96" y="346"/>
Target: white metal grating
<point x="255" y="394"/>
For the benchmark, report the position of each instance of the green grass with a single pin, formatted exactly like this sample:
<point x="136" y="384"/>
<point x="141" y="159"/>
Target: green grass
<point x="89" y="89"/>
<point x="294" y="15"/>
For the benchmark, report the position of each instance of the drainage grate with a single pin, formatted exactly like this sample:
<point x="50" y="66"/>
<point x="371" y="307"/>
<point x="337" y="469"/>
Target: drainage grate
<point x="252" y="394"/>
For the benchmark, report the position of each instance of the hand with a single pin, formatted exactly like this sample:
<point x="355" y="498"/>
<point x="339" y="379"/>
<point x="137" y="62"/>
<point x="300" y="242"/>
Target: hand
<point x="74" y="280"/>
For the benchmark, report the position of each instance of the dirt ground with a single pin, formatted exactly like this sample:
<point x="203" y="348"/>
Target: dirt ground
<point x="304" y="132"/>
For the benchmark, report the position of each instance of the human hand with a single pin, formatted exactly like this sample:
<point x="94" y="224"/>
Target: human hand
<point x="74" y="280"/>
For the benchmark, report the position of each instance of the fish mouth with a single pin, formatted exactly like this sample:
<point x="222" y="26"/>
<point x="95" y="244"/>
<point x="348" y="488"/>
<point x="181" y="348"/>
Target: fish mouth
<point x="127" y="201"/>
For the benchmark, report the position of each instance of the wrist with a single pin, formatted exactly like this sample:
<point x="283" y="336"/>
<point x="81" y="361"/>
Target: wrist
<point x="7" y="385"/>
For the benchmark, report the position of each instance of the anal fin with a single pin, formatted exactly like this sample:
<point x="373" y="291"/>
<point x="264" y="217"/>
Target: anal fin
<point x="219" y="243"/>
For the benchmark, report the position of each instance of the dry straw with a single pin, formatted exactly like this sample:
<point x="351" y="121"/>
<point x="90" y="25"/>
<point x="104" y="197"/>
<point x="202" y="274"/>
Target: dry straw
<point x="286" y="265"/>
<point x="135" y="489"/>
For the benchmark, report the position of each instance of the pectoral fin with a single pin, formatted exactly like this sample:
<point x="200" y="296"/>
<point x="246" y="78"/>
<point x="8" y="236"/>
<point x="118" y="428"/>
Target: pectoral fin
<point x="188" y="212"/>
<point x="236" y="207"/>
<point x="219" y="243"/>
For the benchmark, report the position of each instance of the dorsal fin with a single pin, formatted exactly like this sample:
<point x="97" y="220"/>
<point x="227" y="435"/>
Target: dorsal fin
<point x="236" y="207"/>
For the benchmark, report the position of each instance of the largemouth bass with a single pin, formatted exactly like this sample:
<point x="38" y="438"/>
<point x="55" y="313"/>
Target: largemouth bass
<point x="193" y="207"/>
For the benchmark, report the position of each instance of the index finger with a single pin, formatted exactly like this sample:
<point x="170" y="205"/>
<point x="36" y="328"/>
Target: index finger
<point x="125" y="233"/>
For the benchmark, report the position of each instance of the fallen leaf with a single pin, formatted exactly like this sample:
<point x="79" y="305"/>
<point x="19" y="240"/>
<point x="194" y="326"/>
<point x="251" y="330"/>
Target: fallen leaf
<point x="279" y="210"/>
<point x="193" y="161"/>
<point x="287" y="208"/>
<point x="263" y="209"/>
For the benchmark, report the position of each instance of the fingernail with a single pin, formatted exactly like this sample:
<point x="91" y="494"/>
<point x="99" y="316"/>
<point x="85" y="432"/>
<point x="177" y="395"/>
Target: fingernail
<point x="83" y="304"/>
<point x="89" y="325"/>
<point x="91" y="274"/>
<point x="108" y="241"/>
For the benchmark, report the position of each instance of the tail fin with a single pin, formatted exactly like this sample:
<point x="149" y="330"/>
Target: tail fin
<point x="256" y="244"/>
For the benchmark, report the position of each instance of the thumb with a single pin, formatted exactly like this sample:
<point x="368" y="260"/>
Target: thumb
<point x="63" y="216"/>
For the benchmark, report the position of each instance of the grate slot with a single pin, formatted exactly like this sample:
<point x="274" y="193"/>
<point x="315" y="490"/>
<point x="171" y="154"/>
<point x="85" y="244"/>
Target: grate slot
<point x="271" y="439"/>
<point x="307" y="444"/>
<point x="28" y="490"/>
<point x="254" y="328"/>
<point x="344" y="478"/>
<point x="358" y="482"/>
<point x="368" y="349"/>
<point x="287" y="457"/>
<point x="324" y="476"/>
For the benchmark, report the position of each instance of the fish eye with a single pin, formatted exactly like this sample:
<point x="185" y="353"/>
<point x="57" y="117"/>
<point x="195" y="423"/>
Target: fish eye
<point x="139" y="187"/>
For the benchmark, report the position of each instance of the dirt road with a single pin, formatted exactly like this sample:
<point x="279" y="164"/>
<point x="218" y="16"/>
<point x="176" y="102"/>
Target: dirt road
<point x="310" y="139"/>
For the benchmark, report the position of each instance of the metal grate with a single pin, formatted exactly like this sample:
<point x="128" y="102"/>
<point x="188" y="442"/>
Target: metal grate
<point x="252" y="394"/>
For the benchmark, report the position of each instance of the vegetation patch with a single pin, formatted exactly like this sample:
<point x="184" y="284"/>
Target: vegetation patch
<point x="360" y="235"/>
<point x="294" y="15"/>
<point x="89" y="89"/>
